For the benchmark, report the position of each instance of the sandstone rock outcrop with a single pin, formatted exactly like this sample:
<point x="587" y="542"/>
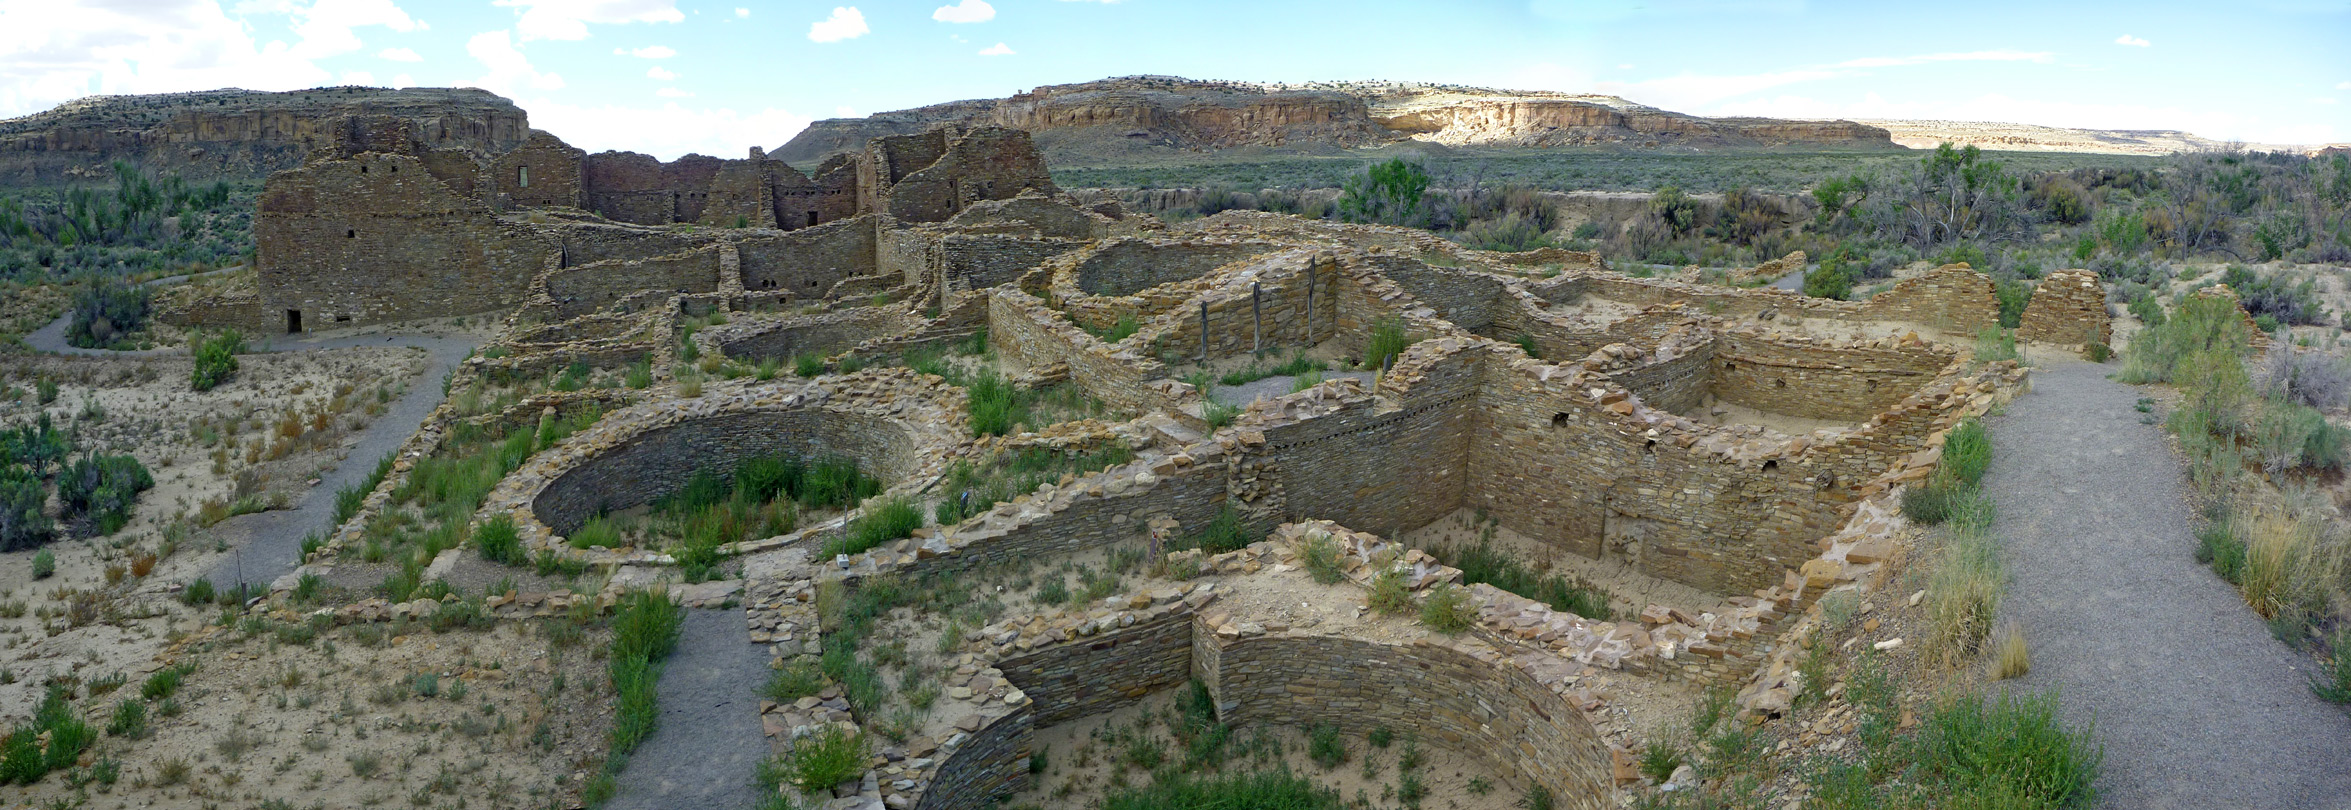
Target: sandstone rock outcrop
<point x="1143" y="114"/>
<point x="239" y="134"/>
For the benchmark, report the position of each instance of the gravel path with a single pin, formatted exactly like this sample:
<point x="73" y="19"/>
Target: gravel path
<point x="269" y="544"/>
<point x="2196" y="704"/>
<point x="708" y="745"/>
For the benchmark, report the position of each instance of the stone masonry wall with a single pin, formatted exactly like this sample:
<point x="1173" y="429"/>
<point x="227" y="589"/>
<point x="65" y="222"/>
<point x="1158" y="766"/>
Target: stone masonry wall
<point x="1021" y="329"/>
<point x="1814" y="380"/>
<point x="1126" y="266"/>
<point x="1106" y="672"/>
<point x="2068" y="308"/>
<point x="1485" y="708"/>
<point x="658" y="462"/>
<point x="582" y="289"/>
<point x="809" y="261"/>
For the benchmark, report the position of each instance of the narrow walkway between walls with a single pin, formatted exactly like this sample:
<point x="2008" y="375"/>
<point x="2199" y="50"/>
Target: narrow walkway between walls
<point x="2197" y="705"/>
<point x="706" y="750"/>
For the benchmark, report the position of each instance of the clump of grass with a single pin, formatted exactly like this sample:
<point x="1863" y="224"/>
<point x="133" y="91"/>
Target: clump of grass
<point x="826" y="758"/>
<point x="1659" y="759"/>
<point x="1388" y="339"/>
<point x="599" y="532"/>
<point x="1321" y="556"/>
<point x="2276" y="553"/>
<point x="1325" y="746"/>
<point x="798" y="680"/>
<point x="2012" y="659"/>
<point x="644" y="631"/>
<point x="2333" y="683"/>
<point x="2008" y="751"/>
<point x="1447" y="609"/>
<point x="1994" y="344"/>
<point x="890" y="520"/>
<point x="1389" y="595"/>
<point x="1962" y="594"/>
<point x="498" y="541"/>
<point x="1223" y="533"/>
<point x="1485" y="563"/>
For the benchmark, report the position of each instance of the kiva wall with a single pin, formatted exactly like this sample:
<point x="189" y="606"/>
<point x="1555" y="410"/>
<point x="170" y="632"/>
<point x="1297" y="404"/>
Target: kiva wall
<point x="655" y="463"/>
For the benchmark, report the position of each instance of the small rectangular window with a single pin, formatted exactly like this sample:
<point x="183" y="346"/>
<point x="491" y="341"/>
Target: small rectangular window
<point x="522" y="176"/>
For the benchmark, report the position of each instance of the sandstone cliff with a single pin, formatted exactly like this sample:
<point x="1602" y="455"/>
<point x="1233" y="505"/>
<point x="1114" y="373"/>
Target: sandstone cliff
<point x="2034" y="138"/>
<point x="1115" y="118"/>
<point x="237" y="134"/>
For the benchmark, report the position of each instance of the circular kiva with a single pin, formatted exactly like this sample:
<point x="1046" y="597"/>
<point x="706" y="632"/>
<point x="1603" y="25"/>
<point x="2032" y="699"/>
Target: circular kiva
<point x="897" y="425"/>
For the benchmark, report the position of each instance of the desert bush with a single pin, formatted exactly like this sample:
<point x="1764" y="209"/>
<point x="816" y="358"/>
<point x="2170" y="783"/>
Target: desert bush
<point x="1967" y="452"/>
<point x="2009" y="747"/>
<point x="2199" y="326"/>
<point x="103" y="489"/>
<point x="1393" y="192"/>
<point x="107" y="311"/>
<point x="216" y="359"/>
<point x="44" y="564"/>
<point x="1388" y="339"/>
<point x="1321" y="558"/>
<point x="2313" y="378"/>
<point x="826" y="758"/>
<point x="1962" y="593"/>
<point x="498" y="541"/>
<point x="1389" y="595"/>
<point x="1833" y="279"/>
<point x="881" y="523"/>
<point x="1447" y="609"/>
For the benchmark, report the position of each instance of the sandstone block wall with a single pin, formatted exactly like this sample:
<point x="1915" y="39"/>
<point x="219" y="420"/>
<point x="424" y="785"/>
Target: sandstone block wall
<point x="649" y="465"/>
<point x="582" y="289"/>
<point x="1394" y="465"/>
<point x="1131" y="265"/>
<point x="809" y="261"/>
<point x="825" y="334"/>
<point x="1818" y="381"/>
<point x="1104" y="673"/>
<point x="544" y="172"/>
<point x="2067" y="308"/>
<point x="1485" y="708"/>
<point x="1021" y="329"/>
<point x="395" y="244"/>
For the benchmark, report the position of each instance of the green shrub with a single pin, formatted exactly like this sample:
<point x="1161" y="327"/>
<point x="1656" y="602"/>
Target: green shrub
<point x="1659" y="759"/>
<point x="798" y="680"/>
<point x="1389" y="594"/>
<point x="1223" y="533"/>
<point x="1832" y="280"/>
<point x="2200" y="326"/>
<point x="2333" y="683"/>
<point x="2010" y="747"/>
<point x="1321" y="556"/>
<point x="102" y="488"/>
<point x="1325" y="746"/>
<point x="44" y="564"/>
<point x="1388" y="339"/>
<point x="1993" y="345"/>
<point x="826" y="758"/>
<point x="644" y="631"/>
<point x="881" y="523"/>
<point x="1392" y="192"/>
<point x="808" y="365"/>
<point x="498" y="541"/>
<point x="994" y="408"/>
<point x="1485" y="563"/>
<point x="165" y="682"/>
<point x="1447" y="609"/>
<point x="108" y="311"/>
<point x="198" y="592"/>
<point x="216" y="359"/>
<point x="129" y="721"/>
<point x="1967" y="452"/>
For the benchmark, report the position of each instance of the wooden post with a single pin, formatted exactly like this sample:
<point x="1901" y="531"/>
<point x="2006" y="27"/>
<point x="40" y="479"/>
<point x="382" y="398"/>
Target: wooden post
<point x="1204" y="331"/>
<point x="1256" y="320"/>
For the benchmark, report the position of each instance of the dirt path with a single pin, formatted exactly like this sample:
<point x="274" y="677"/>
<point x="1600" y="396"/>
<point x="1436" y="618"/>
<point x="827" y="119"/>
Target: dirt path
<point x="708" y="745"/>
<point x="269" y="544"/>
<point x="2196" y="704"/>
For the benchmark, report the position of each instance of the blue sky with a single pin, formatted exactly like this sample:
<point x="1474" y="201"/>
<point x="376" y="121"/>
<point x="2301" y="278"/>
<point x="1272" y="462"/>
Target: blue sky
<point x="672" y="76"/>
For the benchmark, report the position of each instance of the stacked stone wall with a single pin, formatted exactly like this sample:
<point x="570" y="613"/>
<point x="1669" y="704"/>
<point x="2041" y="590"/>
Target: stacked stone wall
<point x="543" y="172"/>
<point x="1678" y="384"/>
<point x="1021" y="329"/>
<point x="1817" y="381"/>
<point x="582" y="289"/>
<point x="1393" y="464"/>
<point x="1106" y="672"/>
<point x="657" y="462"/>
<point x="1483" y="707"/>
<point x="2068" y="308"/>
<point x="786" y="337"/>
<point x="587" y="244"/>
<point x="1130" y="265"/>
<point x="809" y="261"/>
<point x="1272" y="316"/>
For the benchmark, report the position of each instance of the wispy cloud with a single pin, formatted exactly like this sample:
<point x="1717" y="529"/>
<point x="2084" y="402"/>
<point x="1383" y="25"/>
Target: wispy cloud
<point x="2132" y="41"/>
<point x="399" y="55"/>
<point x="846" y="23"/>
<point x="648" y="52"/>
<point x="998" y="49"/>
<point x="569" y="19"/>
<point x="510" y="71"/>
<point x="968" y="11"/>
<point x="660" y="73"/>
<point x="742" y="13"/>
<point x="2041" y="57"/>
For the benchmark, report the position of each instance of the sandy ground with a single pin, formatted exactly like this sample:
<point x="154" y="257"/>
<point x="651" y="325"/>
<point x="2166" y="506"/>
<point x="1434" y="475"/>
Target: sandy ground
<point x="214" y="447"/>
<point x="362" y="716"/>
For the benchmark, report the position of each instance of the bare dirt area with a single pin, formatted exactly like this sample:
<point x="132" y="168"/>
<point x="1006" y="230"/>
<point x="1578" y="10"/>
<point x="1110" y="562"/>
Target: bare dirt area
<point x="365" y="715"/>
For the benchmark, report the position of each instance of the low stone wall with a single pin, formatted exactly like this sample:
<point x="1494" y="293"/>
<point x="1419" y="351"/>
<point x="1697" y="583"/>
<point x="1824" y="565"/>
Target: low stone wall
<point x="2068" y="308"/>
<point x="808" y="261"/>
<point x="1816" y="379"/>
<point x="582" y="289"/>
<point x="785" y="337"/>
<point x="1130" y="265"/>
<point x="1104" y="673"/>
<point x="1021" y="329"/>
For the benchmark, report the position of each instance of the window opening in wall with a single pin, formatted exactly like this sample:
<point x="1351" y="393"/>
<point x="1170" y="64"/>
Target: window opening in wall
<point x="522" y="176"/>
<point x="1777" y="383"/>
<point x="293" y="321"/>
<point x="350" y="233"/>
<point x="1772" y="465"/>
<point x="1559" y="420"/>
<point x="812" y="218"/>
<point x="363" y="168"/>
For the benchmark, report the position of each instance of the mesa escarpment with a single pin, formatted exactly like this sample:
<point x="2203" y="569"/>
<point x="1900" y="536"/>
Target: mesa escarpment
<point x="239" y="134"/>
<point x="1139" y="114"/>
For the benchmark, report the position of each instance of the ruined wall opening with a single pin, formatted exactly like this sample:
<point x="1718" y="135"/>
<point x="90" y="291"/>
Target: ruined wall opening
<point x="293" y="321"/>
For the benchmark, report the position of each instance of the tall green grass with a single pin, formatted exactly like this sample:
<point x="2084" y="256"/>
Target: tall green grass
<point x="1483" y="562"/>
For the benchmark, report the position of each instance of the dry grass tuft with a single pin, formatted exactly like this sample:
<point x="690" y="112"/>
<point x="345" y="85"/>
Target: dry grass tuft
<point x="2012" y="659"/>
<point x="2277" y="556"/>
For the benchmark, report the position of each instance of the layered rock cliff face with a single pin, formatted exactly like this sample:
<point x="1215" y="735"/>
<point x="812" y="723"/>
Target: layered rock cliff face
<point x="1079" y="123"/>
<point x="237" y="134"/>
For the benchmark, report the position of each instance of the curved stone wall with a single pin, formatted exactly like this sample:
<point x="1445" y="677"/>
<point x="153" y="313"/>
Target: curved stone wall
<point x="1129" y="266"/>
<point x="824" y="334"/>
<point x="658" y="462"/>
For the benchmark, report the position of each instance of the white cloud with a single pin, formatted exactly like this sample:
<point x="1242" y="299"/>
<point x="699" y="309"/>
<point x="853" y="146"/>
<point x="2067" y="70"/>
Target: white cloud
<point x="510" y="71"/>
<point x="844" y="111"/>
<point x="2039" y="57"/>
<point x="998" y="49"/>
<point x="647" y="52"/>
<point x="53" y="51"/>
<point x="968" y="11"/>
<point x="399" y="55"/>
<point x="358" y="77"/>
<point x="663" y="74"/>
<point x="667" y="131"/>
<point x="1625" y="66"/>
<point x="672" y="92"/>
<point x="742" y="13"/>
<point x="325" y="26"/>
<point x="2343" y="86"/>
<point x="846" y="23"/>
<point x="2132" y="41"/>
<point x="569" y="19"/>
